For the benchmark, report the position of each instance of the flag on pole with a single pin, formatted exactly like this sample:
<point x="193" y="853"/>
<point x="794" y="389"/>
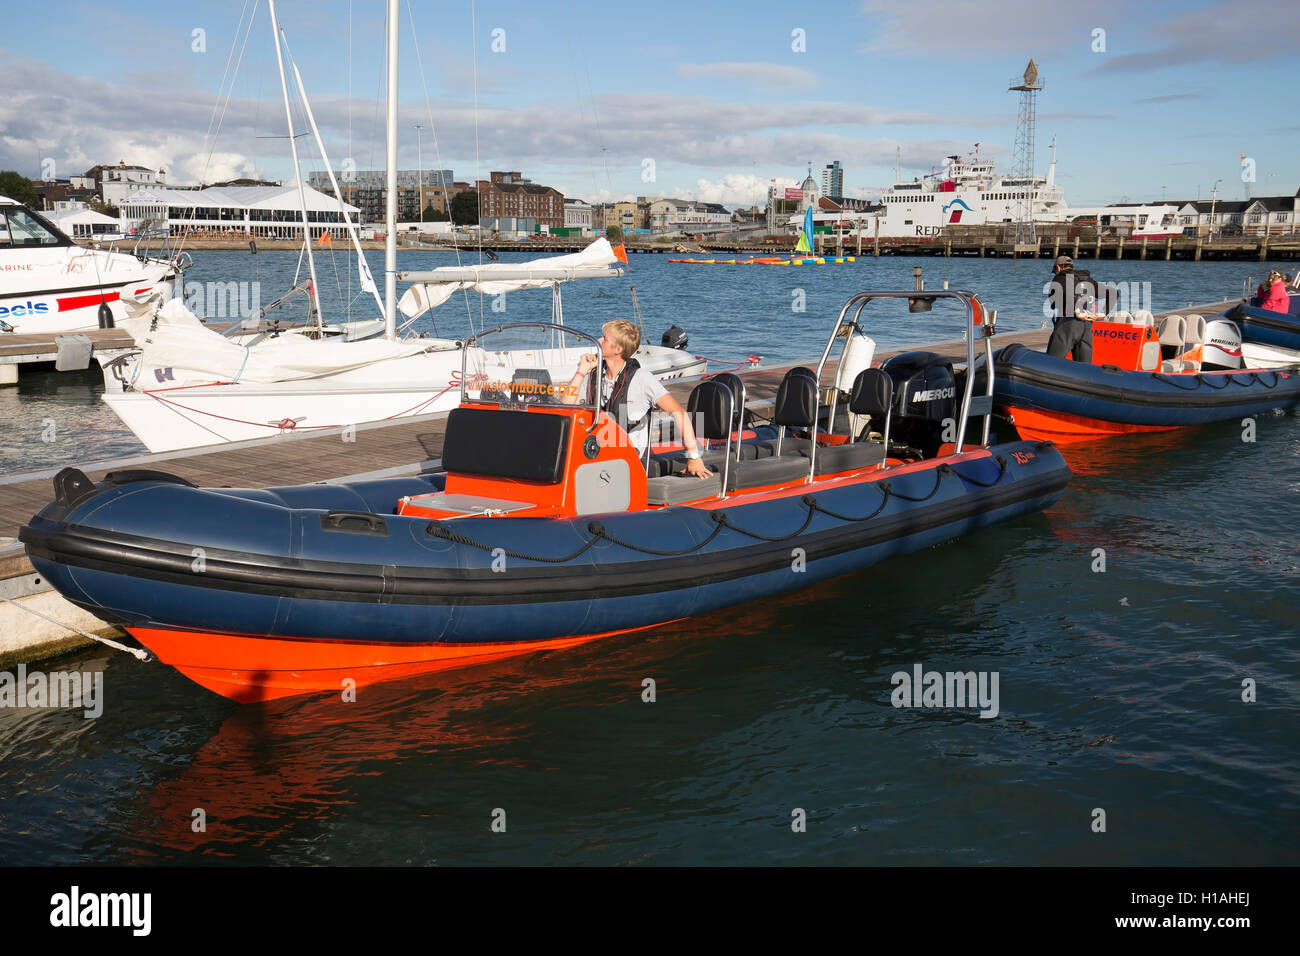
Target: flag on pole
<point x="620" y="253"/>
<point x="325" y="239"/>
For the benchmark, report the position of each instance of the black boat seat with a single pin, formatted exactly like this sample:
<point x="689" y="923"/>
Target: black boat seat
<point x="789" y="446"/>
<point x="676" y="489"/>
<point x="767" y="471"/>
<point x="674" y="463"/>
<point x="836" y="458"/>
<point x="713" y="457"/>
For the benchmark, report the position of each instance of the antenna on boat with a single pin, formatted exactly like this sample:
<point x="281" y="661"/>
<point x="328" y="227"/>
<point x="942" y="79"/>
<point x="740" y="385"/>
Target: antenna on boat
<point x="390" y="205"/>
<point x="293" y="148"/>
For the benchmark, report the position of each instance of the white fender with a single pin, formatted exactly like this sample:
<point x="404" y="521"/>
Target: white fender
<point x="858" y="355"/>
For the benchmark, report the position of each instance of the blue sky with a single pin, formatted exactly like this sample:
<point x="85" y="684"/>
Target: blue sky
<point x="717" y="96"/>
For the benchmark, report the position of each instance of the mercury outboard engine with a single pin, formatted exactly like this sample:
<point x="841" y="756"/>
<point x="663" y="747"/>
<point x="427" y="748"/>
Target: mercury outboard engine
<point x="1222" y="347"/>
<point x="925" y="396"/>
<point x="674" y="338"/>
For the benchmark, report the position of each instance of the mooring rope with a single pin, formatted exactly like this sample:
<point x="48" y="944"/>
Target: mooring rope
<point x="135" y="652"/>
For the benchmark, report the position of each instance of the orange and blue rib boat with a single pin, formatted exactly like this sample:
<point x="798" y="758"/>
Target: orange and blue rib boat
<point x="1142" y="378"/>
<point x="545" y="529"/>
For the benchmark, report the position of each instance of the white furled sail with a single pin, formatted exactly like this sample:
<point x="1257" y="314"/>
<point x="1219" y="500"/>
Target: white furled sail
<point x="430" y="289"/>
<point x="178" y="349"/>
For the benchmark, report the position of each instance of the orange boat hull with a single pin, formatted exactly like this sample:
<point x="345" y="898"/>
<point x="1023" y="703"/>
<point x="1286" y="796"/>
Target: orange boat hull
<point x="247" y="669"/>
<point x="1064" y="429"/>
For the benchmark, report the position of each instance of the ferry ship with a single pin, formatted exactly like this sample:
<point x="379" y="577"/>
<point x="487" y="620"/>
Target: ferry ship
<point x="967" y="193"/>
<point x="970" y="193"/>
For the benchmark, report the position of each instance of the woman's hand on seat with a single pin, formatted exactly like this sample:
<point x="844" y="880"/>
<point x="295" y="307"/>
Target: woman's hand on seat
<point x="697" y="468"/>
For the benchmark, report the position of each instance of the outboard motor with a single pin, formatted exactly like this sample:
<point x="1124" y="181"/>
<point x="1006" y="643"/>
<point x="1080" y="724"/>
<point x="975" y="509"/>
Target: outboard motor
<point x="1222" y="346"/>
<point x="925" y="396"/>
<point x="674" y="338"/>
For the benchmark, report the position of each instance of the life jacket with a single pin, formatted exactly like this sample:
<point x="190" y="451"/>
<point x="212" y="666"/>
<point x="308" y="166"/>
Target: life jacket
<point x="616" y="406"/>
<point x="1077" y="287"/>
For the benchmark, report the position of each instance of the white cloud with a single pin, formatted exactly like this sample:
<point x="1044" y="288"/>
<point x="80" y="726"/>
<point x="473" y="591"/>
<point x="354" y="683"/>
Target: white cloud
<point x="761" y="76"/>
<point x="1226" y="32"/>
<point x="82" y="121"/>
<point x="734" y="189"/>
<point x="959" y="28"/>
<point x="79" y="122"/>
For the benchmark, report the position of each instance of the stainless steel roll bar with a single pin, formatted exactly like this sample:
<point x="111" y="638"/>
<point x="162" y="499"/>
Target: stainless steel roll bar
<point x="977" y="317"/>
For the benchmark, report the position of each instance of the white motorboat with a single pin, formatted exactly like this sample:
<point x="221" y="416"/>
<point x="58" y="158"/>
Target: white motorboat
<point x="50" y="284"/>
<point x="187" y="386"/>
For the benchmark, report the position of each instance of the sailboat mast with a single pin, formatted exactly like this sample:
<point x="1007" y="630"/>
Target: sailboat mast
<point x="293" y="148"/>
<point x="390" y="211"/>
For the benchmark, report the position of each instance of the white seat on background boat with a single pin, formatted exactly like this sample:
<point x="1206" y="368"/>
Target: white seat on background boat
<point x="1172" y="331"/>
<point x="1124" y="318"/>
<point x="1143" y="317"/>
<point x="1194" y="334"/>
<point x="1177" y="365"/>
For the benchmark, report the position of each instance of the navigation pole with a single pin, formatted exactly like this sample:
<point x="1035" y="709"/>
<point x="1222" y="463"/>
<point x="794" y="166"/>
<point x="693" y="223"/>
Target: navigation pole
<point x="1027" y="86"/>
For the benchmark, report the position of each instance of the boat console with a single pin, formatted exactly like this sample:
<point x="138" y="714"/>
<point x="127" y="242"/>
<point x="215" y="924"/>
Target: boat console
<point x="531" y="447"/>
<point x="528" y="446"/>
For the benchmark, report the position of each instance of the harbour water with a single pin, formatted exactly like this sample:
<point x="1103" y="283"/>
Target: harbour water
<point x="1120" y="670"/>
<point x="778" y="312"/>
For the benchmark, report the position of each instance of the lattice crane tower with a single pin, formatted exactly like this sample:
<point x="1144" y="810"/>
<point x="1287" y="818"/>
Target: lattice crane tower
<point x="1027" y="86"/>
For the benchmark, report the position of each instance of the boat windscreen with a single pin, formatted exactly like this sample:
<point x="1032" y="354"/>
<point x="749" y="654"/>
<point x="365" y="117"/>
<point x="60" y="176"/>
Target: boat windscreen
<point x="527" y="365"/>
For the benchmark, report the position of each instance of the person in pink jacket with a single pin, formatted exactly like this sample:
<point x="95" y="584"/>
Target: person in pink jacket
<point x="1272" y="293"/>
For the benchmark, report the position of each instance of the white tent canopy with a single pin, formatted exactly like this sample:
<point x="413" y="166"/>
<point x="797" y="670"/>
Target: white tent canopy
<point x="431" y="289"/>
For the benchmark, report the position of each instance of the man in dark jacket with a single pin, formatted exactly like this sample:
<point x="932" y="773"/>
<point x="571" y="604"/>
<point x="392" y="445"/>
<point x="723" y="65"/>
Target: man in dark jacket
<point x="1068" y="294"/>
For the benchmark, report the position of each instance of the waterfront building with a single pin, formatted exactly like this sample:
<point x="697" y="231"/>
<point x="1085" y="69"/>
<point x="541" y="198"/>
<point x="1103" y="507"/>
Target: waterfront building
<point x="810" y="192"/>
<point x="509" y="195"/>
<point x="81" y="222"/>
<point x="685" y="215"/>
<point x="55" y="191"/>
<point x="113" y="184"/>
<point x="240" y="212"/>
<point x="833" y="180"/>
<point x="508" y="225"/>
<point x="620" y="214"/>
<point x="367" y="189"/>
<point x="577" y="214"/>
<point x="1271" y="215"/>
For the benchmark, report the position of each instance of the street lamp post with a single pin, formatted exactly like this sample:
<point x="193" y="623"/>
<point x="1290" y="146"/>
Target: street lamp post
<point x="1214" y="197"/>
<point x="419" y="172"/>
